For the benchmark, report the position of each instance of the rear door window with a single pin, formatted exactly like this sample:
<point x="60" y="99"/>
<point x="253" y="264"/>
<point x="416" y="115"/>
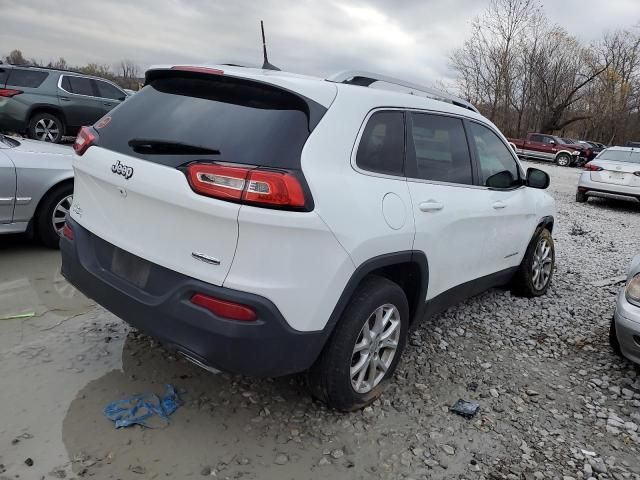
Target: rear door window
<point x="438" y="146"/>
<point x="106" y="90"/>
<point x="25" y="78"/>
<point x="78" y="85"/>
<point x="381" y="148"/>
<point x="243" y="121"/>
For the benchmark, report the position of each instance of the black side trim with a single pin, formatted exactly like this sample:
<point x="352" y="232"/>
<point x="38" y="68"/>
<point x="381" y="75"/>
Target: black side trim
<point x="459" y="293"/>
<point x="387" y="260"/>
<point x="545" y="222"/>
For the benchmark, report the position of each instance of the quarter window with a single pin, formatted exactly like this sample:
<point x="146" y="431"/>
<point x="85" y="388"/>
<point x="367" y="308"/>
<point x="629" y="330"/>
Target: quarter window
<point x="381" y="148"/>
<point x="439" y="146"/>
<point x="106" y="90"/>
<point x="26" y="78"/>
<point x="498" y="168"/>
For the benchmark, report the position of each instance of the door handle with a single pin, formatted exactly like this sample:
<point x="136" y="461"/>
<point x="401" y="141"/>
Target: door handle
<point x="499" y="205"/>
<point x="431" y="206"/>
<point x="108" y="104"/>
<point x="65" y="99"/>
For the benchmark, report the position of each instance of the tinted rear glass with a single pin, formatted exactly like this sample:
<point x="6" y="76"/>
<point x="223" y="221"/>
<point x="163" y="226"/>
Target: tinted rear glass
<point x="26" y="78"/>
<point x="246" y="122"/>
<point x="3" y="76"/>
<point x="381" y="148"/>
<point x="79" y="86"/>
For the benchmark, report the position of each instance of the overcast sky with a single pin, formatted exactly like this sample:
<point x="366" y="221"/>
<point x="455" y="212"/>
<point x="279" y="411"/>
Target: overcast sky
<point x="411" y="38"/>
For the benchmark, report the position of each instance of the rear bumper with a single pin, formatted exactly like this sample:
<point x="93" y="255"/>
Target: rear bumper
<point x="586" y="185"/>
<point x="627" y="318"/>
<point x="9" y="123"/>
<point x="267" y="347"/>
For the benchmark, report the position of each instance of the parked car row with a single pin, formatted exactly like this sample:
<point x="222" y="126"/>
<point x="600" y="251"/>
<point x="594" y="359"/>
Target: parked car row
<point x="47" y="104"/>
<point x="563" y="152"/>
<point x="268" y="272"/>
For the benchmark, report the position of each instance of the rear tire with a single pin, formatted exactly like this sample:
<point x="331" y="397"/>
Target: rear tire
<point x="51" y="214"/>
<point x="563" y="160"/>
<point x="581" y="197"/>
<point x="46" y="127"/>
<point x="540" y="257"/>
<point x="372" y="328"/>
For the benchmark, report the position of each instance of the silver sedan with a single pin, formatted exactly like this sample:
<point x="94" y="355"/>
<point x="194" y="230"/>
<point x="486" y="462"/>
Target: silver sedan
<point x="615" y="172"/>
<point x="624" y="334"/>
<point x="36" y="188"/>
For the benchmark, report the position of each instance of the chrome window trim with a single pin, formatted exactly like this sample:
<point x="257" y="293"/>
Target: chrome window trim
<point x="90" y="96"/>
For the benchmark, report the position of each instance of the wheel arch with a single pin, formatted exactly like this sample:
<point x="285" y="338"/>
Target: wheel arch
<point x="47" y="108"/>
<point x="409" y="269"/>
<point x="545" y="222"/>
<point x="43" y="197"/>
<point x="563" y="152"/>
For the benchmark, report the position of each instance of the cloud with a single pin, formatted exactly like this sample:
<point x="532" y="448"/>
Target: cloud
<point x="408" y="38"/>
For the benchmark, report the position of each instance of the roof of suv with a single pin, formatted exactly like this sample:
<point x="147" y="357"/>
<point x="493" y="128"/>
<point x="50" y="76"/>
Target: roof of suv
<point x="52" y="70"/>
<point x="324" y="91"/>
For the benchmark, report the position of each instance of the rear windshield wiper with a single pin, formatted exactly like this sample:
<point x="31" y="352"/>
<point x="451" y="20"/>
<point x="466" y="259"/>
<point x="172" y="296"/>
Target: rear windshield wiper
<point x="163" y="147"/>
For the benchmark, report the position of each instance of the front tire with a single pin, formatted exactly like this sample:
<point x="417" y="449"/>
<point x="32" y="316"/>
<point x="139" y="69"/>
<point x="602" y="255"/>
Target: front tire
<point x="536" y="270"/>
<point x="613" y="338"/>
<point x="51" y="214"/>
<point x="46" y="127"/>
<point x="563" y="160"/>
<point x="363" y="352"/>
<point x="581" y="197"/>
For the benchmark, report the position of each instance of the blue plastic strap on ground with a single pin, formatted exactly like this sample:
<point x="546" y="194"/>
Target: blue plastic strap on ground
<point x="138" y="408"/>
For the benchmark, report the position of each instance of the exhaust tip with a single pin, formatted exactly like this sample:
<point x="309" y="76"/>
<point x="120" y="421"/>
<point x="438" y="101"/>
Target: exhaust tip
<point x="197" y="362"/>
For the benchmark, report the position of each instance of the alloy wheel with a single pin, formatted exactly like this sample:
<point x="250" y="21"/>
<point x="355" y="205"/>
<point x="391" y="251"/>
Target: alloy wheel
<point x="375" y="348"/>
<point x="59" y="214"/>
<point x="542" y="264"/>
<point x="47" y="130"/>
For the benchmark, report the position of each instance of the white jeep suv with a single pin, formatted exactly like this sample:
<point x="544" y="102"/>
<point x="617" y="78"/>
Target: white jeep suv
<point x="267" y="223"/>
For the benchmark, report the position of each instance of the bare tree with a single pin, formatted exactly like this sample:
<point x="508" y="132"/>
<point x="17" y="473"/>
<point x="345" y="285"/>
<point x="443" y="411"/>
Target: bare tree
<point x="16" y="58"/>
<point x="527" y="74"/>
<point x="128" y="69"/>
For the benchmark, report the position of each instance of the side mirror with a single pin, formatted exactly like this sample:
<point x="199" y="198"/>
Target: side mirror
<point x="552" y="142"/>
<point x="536" y="178"/>
<point x="122" y="99"/>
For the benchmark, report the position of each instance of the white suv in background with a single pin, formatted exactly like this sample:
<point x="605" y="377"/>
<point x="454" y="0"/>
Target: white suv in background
<point x="267" y="223"/>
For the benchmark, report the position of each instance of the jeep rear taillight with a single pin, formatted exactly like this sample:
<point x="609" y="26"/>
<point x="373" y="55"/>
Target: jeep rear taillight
<point x="252" y="186"/>
<point x="84" y="140"/>
<point x="9" y="92"/>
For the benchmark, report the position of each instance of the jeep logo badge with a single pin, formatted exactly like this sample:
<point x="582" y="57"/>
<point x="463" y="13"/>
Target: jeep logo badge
<point x="121" y="169"/>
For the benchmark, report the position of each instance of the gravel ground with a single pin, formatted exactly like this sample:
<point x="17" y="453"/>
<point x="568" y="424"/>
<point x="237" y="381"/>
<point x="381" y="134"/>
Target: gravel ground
<point x="555" y="401"/>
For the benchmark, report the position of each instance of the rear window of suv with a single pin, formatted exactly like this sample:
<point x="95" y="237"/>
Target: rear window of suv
<point x="237" y="120"/>
<point x="26" y="78"/>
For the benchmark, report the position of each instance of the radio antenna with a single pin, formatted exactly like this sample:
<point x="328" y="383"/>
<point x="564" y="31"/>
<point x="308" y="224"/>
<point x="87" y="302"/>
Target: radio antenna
<point x="266" y="65"/>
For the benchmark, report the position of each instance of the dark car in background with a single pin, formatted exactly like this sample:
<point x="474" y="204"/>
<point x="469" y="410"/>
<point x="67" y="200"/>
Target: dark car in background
<point x="47" y="104"/>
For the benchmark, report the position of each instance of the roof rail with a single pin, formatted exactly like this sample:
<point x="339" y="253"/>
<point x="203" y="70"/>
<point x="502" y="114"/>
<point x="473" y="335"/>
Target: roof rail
<point x="29" y="65"/>
<point x="365" y="79"/>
